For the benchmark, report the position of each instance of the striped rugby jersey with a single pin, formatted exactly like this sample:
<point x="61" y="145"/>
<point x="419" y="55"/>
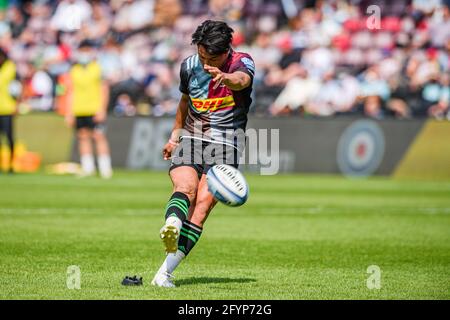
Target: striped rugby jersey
<point x="215" y="113"/>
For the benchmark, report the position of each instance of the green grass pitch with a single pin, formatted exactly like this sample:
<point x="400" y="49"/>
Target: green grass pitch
<point x="298" y="237"/>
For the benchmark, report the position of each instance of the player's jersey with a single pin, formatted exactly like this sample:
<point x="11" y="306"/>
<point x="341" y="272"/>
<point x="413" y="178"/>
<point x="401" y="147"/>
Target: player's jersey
<point x="215" y="113"/>
<point x="86" y="81"/>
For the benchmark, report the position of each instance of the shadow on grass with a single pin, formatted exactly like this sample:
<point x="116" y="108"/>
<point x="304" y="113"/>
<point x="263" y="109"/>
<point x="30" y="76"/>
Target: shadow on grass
<point x="200" y="280"/>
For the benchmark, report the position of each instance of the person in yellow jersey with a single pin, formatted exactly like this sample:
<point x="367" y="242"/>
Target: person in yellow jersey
<point x="87" y="110"/>
<point x="7" y="103"/>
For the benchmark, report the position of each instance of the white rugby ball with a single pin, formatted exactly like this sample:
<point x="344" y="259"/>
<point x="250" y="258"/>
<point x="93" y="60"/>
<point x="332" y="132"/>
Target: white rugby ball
<point x="228" y="185"/>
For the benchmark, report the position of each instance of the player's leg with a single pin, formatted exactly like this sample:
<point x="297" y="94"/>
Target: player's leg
<point x="185" y="184"/>
<point x="199" y="211"/>
<point x="190" y="233"/>
<point x="193" y="227"/>
<point x="103" y="151"/>
<point x="84" y="134"/>
<point x="205" y="201"/>
<point x="184" y="173"/>
<point x="9" y="132"/>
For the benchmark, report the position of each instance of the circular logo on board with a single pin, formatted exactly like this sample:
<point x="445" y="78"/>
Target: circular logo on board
<point x="360" y="148"/>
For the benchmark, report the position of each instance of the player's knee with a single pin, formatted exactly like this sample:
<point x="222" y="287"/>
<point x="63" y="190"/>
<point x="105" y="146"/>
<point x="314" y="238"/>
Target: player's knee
<point x="188" y="190"/>
<point x="98" y="136"/>
<point x="83" y="134"/>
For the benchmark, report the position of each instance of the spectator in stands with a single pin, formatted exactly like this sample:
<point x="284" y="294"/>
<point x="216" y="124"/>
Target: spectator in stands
<point x="297" y="93"/>
<point x="374" y="91"/>
<point x="323" y="103"/>
<point x="100" y="23"/>
<point x="293" y="42"/>
<point x="436" y="94"/>
<point x="288" y="65"/>
<point x="134" y="15"/>
<point x="71" y="15"/>
<point x="337" y="95"/>
<point x="167" y="12"/>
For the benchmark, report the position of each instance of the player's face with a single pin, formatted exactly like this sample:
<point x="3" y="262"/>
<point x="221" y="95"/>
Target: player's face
<point x="85" y="55"/>
<point x="211" y="60"/>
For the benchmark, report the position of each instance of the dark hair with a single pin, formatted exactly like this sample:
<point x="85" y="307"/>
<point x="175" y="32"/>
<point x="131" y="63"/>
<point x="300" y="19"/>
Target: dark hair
<point x="215" y="36"/>
<point x="86" y="43"/>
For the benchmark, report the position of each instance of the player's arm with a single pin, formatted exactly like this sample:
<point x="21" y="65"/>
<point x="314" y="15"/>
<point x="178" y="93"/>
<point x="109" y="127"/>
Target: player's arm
<point x="69" y="116"/>
<point x="236" y="81"/>
<point x="180" y="120"/>
<point x="101" y="114"/>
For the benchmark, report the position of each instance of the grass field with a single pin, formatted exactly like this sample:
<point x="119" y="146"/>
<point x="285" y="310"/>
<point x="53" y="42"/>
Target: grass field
<point x="298" y="237"/>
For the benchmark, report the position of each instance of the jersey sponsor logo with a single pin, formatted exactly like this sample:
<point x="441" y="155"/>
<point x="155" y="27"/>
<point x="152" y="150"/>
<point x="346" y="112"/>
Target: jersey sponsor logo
<point x="213" y="104"/>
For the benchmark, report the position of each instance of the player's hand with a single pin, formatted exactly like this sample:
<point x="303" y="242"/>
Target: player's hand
<point x="168" y="149"/>
<point x="69" y="120"/>
<point x="100" y="117"/>
<point x="217" y="75"/>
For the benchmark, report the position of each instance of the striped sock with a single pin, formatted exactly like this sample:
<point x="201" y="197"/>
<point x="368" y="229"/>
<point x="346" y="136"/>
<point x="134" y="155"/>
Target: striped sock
<point x="178" y="206"/>
<point x="189" y="236"/>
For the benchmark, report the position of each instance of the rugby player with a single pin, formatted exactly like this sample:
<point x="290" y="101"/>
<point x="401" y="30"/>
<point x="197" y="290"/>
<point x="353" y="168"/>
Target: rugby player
<point x="216" y="85"/>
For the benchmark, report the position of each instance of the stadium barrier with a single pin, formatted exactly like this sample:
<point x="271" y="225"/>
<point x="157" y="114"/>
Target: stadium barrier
<point x="45" y="134"/>
<point x="349" y="146"/>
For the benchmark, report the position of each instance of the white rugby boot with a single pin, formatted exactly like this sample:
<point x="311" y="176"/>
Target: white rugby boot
<point x="163" y="277"/>
<point x="163" y="280"/>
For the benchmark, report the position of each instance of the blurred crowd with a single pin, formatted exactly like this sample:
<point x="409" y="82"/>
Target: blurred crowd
<point x="377" y="58"/>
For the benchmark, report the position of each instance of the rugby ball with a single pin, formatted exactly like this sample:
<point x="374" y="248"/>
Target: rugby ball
<point x="227" y="185"/>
